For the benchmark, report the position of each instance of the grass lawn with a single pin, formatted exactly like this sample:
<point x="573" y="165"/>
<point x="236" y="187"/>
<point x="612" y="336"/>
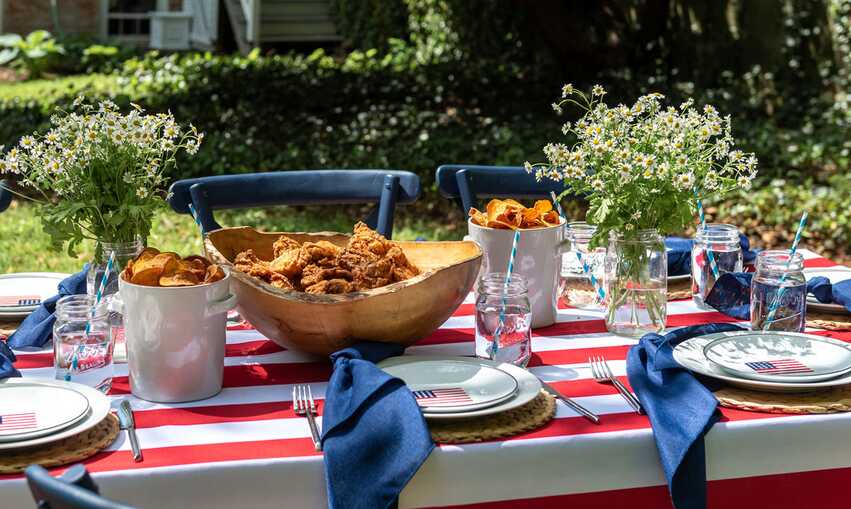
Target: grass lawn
<point x="46" y="90"/>
<point x="26" y="248"/>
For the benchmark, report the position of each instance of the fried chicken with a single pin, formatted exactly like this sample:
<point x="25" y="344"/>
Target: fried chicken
<point x="367" y="261"/>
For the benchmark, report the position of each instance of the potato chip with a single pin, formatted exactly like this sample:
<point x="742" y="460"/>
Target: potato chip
<point x="153" y="268"/>
<point x="180" y="278"/>
<point x="510" y="214"/>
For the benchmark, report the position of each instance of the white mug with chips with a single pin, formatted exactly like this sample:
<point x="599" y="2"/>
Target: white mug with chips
<point x="175" y="338"/>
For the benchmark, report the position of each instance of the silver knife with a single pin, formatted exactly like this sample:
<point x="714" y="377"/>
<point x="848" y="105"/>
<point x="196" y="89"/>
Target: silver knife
<point x="591" y="416"/>
<point x="125" y="417"/>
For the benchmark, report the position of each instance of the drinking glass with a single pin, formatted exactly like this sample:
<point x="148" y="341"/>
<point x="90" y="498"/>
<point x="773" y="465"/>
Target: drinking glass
<point x="504" y="311"/>
<point x="82" y="342"/>
<point x="779" y="284"/>
<point x="721" y="243"/>
<point x="576" y="289"/>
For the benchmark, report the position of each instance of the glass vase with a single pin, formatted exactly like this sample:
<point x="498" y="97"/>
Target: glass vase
<point x="636" y="270"/>
<point x="123" y="252"/>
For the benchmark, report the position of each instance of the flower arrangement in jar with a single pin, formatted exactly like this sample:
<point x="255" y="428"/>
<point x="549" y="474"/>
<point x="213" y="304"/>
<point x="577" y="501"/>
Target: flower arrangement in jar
<point x="100" y="175"/>
<point x="642" y="168"/>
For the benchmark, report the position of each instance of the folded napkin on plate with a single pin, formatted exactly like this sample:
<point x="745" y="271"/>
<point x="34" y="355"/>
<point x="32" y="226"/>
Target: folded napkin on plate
<point x="37" y="328"/>
<point x="679" y="254"/>
<point x="7" y="369"/>
<point x="827" y="293"/>
<point x="375" y="437"/>
<point x="731" y="294"/>
<point x="680" y="408"/>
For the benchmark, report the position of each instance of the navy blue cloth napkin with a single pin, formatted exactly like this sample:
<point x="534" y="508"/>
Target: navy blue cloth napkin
<point x="680" y="408"/>
<point x="679" y="254"/>
<point x="7" y="369"/>
<point x="731" y="294"/>
<point x="37" y="329"/>
<point x="375" y="437"/>
<point x="828" y="293"/>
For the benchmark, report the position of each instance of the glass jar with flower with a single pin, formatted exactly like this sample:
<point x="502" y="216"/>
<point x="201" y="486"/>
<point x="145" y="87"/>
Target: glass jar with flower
<point x="642" y="168"/>
<point x="100" y="175"/>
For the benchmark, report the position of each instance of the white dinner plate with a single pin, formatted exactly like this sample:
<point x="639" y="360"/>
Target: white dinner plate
<point x="98" y="409"/>
<point x="528" y="386"/>
<point x="31" y="410"/>
<point x="689" y="354"/>
<point x="451" y="386"/>
<point x="780" y="356"/>
<point x="681" y="277"/>
<point x="38" y="285"/>
<point x="835" y="275"/>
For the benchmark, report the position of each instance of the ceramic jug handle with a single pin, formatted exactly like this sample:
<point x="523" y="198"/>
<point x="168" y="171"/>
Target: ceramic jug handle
<point x="222" y="306"/>
<point x="115" y="304"/>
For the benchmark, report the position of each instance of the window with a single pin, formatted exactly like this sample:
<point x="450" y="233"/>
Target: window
<point x="128" y="20"/>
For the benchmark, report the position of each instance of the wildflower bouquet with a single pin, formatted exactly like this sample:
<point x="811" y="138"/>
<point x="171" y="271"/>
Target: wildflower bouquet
<point x="643" y="168"/>
<point x="100" y="173"/>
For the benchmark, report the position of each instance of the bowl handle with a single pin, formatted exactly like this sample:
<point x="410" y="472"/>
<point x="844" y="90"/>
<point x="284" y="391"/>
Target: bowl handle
<point x="221" y="306"/>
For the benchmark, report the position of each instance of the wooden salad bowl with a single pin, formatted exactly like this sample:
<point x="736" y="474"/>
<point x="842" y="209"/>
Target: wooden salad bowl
<point x="402" y="312"/>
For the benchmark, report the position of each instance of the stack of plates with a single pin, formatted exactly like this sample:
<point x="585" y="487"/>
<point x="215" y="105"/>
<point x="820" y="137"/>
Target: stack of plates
<point x="463" y="387"/>
<point x="835" y="275"/>
<point x="18" y="291"/>
<point x="769" y="361"/>
<point x="37" y="412"/>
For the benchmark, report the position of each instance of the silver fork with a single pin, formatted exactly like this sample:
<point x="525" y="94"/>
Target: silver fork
<point x="603" y="374"/>
<point x="303" y="405"/>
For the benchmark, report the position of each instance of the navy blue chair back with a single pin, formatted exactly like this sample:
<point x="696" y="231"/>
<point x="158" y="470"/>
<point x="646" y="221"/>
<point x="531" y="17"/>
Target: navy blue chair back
<point x="467" y="183"/>
<point x="5" y="195"/>
<point x="385" y="188"/>
<point x="74" y="489"/>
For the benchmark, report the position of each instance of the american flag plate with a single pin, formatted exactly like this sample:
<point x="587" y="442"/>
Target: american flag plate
<point x="780" y="356"/>
<point x="32" y="410"/>
<point x="452" y="385"/>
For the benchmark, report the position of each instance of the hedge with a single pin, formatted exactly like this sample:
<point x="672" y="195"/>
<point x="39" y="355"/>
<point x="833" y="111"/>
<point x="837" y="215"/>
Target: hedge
<point x="392" y="110"/>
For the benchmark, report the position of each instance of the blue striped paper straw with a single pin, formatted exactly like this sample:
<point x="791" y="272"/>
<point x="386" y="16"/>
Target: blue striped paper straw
<point x="508" y="272"/>
<point x="98" y="296"/>
<point x="775" y="304"/>
<point x="585" y="268"/>
<point x="709" y="255"/>
<point x="195" y="216"/>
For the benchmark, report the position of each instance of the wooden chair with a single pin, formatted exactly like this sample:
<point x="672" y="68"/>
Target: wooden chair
<point x="467" y="183"/>
<point x="5" y="195"/>
<point x="385" y="188"/>
<point x="74" y="489"/>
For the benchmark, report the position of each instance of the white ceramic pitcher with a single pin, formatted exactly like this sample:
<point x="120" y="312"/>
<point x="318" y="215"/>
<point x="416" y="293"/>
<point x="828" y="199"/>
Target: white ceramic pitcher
<point x="175" y="338"/>
<point x="538" y="259"/>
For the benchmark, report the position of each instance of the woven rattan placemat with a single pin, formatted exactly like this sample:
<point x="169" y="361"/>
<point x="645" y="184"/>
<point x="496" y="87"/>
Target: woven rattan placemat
<point x="828" y="321"/>
<point x="62" y="452"/>
<point x="532" y="415"/>
<point x="836" y="399"/>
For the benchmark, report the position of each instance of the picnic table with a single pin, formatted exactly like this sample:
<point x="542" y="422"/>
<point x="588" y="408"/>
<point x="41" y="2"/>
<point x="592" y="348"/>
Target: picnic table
<point x="246" y="448"/>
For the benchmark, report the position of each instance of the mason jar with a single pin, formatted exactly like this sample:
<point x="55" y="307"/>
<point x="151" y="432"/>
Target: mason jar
<point x="581" y="279"/>
<point x="716" y="250"/>
<point x="122" y="252"/>
<point x="636" y="271"/>
<point x="503" y="319"/>
<point x="82" y="342"/>
<point x="779" y="292"/>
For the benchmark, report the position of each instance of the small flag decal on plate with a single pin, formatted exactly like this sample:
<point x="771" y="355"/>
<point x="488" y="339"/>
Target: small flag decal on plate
<point x="17" y="422"/>
<point x="453" y="396"/>
<point x="778" y="367"/>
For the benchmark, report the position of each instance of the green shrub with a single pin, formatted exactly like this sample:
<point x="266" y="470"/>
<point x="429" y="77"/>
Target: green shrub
<point x="34" y="53"/>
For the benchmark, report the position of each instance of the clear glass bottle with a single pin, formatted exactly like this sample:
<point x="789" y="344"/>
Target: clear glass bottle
<point x="714" y="244"/>
<point x="581" y="280"/>
<point x="779" y="292"/>
<point x="503" y="311"/>
<point x="636" y="283"/>
<point x="82" y="342"/>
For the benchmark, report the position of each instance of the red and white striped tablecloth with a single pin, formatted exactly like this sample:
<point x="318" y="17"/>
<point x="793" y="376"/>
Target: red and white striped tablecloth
<point x="245" y="448"/>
